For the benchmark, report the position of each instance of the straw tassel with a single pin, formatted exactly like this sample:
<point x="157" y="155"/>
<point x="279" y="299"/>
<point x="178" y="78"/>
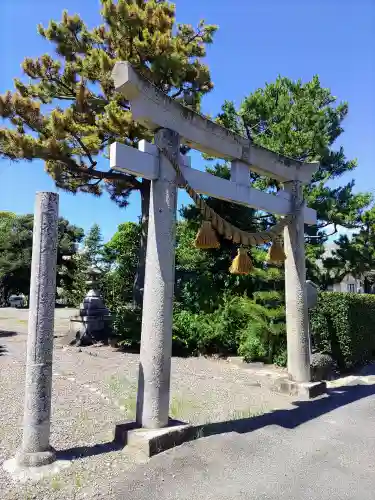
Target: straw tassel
<point x="276" y="253"/>
<point x="241" y="264"/>
<point x="206" y="237"/>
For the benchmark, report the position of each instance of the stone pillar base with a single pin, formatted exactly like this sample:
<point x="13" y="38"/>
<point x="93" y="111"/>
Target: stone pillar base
<point x="34" y="466"/>
<point x="148" y="442"/>
<point x="305" y="390"/>
<point x="35" y="459"/>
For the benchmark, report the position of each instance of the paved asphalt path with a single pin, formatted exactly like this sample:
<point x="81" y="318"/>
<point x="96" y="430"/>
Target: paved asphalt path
<point x="321" y="450"/>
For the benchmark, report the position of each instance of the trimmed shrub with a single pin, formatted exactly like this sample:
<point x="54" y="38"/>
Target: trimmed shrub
<point x="264" y="336"/>
<point x="127" y="322"/>
<point x="209" y="333"/>
<point x="343" y="325"/>
<point x="238" y="326"/>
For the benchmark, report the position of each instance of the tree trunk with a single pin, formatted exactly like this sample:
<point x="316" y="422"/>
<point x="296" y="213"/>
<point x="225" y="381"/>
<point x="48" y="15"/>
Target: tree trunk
<point x="140" y="273"/>
<point x="366" y="285"/>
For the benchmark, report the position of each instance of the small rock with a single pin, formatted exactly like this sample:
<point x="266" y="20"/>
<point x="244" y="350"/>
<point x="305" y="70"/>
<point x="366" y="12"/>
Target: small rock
<point x="323" y="367"/>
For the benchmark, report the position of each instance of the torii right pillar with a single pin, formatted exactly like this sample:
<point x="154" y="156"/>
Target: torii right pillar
<point x="297" y="321"/>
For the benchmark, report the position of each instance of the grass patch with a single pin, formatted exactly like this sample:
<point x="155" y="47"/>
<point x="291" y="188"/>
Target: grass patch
<point x="125" y="392"/>
<point x="29" y="494"/>
<point x="120" y="385"/>
<point x="180" y="408"/>
<point x="84" y="416"/>
<point x="129" y="405"/>
<point x="247" y="413"/>
<point x="55" y="484"/>
<point x="78" y="481"/>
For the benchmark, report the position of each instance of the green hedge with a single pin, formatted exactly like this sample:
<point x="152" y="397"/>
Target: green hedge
<point x="343" y="325"/>
<point x="237" y="326"/>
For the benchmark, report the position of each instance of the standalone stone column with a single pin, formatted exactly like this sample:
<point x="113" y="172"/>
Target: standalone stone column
<point x="156" y="340"/>
<point x="36" y="449"/>
<point x="297" y="322"/>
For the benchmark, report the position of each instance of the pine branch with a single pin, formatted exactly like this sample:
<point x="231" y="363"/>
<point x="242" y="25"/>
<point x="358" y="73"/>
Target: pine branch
<point x="95" y="174"/>
<point x="86" y="150"/>
<point x="324" y="224"/>
<point x="65" y="98"/>
<point x="62" y="84"/>
<point x="88" y="184"/>
<point x="178" y="93"/>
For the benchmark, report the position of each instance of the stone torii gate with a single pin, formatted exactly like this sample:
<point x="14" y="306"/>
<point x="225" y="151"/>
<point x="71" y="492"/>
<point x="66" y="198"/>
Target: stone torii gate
<point x="173" y="125"/>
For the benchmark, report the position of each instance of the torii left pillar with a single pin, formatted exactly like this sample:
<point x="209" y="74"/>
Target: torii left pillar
<point x="156" y="339"/>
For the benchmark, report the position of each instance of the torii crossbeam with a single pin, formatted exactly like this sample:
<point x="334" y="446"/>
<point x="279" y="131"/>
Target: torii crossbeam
<point x="174" y="124"/>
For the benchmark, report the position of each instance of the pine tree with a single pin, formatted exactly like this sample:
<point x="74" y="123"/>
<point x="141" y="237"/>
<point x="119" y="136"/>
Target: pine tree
<point x="89" y="257"/>
<point x="93" y="247"/>
<point x="87" y="115"/>
<point x="303" y="121"/>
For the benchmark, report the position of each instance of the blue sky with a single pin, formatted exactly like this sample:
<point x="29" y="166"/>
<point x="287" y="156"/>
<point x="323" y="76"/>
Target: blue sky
<point x="256" y="41"/>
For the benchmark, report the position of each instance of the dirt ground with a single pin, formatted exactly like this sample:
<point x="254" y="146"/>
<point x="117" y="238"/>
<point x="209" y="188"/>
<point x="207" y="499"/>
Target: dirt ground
<point x="95" y="388"/>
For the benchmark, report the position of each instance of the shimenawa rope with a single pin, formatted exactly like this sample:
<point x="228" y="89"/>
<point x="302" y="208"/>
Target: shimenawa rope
<point x="206" y="238"/>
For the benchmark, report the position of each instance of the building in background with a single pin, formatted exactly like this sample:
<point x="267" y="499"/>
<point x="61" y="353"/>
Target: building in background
<point x="349" y="283"/>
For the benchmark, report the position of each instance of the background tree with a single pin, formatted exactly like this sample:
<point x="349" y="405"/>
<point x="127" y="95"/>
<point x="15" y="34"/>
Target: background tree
<point x="355" y="255"/>
<point x="16" y="233"/>
<point x="90" y="256"/>
<point x="122" y="256"/>
<point x="15" y="254"/>
<point x="121" y="253"/>
<point x="303" y="121"/>
<point x="86" y="113"/>
<point x="93" y="247"/>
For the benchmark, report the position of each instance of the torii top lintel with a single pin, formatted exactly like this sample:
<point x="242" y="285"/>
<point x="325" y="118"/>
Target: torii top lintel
<point x="153" y="108"/>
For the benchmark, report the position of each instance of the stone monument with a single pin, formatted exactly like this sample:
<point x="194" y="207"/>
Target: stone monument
<point x="94" y="321"/>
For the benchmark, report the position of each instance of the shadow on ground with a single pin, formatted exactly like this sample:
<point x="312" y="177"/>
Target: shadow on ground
<point x="3" y="350"/>
<point x="292" y="418"/>
<point x="88" y="451"/>
<point x="304" y="411"/>
<point x="7" y="333"/>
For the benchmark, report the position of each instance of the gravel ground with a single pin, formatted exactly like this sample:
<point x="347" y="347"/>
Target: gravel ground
<point x="93" y="389"/>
